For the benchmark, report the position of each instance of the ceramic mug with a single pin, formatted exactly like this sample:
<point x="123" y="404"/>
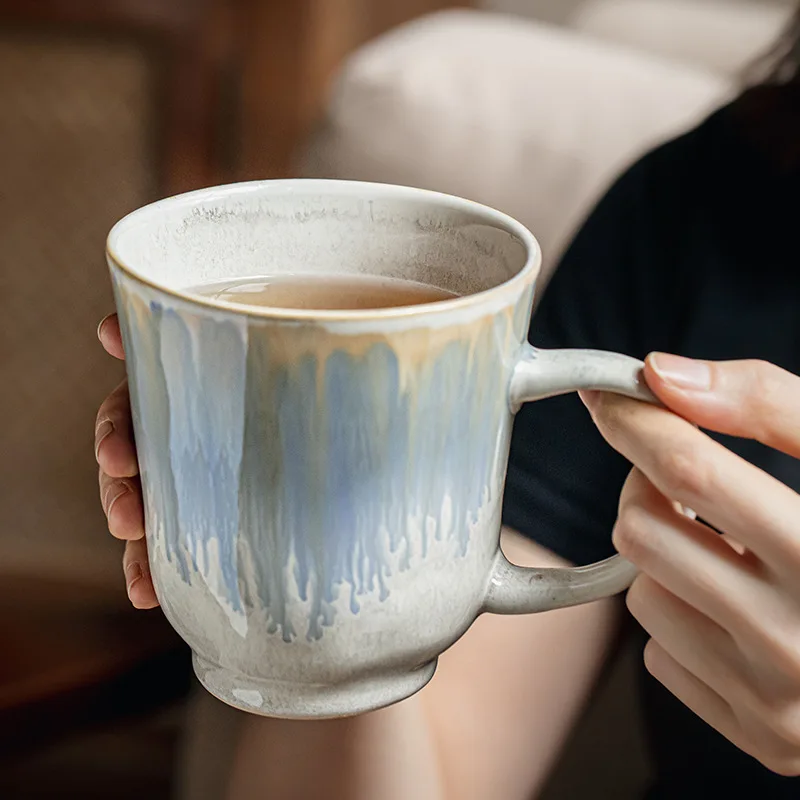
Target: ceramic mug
<point x="323" y="489"/>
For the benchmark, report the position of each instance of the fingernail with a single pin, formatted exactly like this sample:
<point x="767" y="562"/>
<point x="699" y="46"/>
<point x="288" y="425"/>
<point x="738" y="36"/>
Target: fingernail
<point x="102" y="431"/>
<point x="113" y="493"/>
<point x="133" y="573"/>
<point x="100" y="325"/>
<point x="685" y="373"/>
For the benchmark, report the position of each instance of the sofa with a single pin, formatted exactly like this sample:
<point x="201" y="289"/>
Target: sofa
<point x="529" y="115"/>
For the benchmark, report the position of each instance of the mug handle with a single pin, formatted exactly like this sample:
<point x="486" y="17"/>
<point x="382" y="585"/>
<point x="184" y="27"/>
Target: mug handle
<point x="545" y="373"/>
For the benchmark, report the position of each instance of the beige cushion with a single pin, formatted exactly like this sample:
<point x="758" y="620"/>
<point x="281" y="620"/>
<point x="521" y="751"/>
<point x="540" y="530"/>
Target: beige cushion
<point x="548" y="10"/>
<point x="721" y="35"/>
<point x="531" y="119"/>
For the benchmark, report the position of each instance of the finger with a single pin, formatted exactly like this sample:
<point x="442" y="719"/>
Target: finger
<point x="749" y="399"/>
<point x="138" y="580"/>
<point x="690" y="468"/>
<point x="750" y="732"/>
<point x="694" y="640"/>
<point x="695" y="694"/>
<point x="110" y="337"/>
<point x="769" y="717"/>
<point x="695" y="564"/>
<point x="121" y="499"/>
<point x="114" y="446"/>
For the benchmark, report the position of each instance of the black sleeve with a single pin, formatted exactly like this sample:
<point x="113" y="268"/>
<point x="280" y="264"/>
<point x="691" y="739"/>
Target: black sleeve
<point x="615" y="289"/>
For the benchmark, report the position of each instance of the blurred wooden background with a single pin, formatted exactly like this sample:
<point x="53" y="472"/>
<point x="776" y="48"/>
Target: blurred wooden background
<point x="106" y="105"/>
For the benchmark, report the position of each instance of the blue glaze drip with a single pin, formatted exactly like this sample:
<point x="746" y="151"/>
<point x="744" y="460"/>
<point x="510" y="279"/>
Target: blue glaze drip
<point x="305" y="474"/>
<point x="150" y="407"/>
<point x="205" y="376"/>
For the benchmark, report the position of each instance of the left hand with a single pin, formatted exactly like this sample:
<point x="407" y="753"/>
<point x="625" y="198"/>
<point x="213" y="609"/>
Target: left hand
<point x="723" y="611"/>
<point x="120" y="487"/>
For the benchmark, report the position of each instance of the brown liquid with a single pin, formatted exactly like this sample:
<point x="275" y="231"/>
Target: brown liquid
<point x="324" y="292"/>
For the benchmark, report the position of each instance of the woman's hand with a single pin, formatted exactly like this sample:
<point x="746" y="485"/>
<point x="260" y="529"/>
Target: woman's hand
<point x="723" y="611"/>
<point x="120" y="490"/>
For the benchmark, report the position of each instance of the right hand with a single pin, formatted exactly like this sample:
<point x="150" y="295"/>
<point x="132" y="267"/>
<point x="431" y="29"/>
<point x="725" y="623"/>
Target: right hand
<point x="120" y="488"/>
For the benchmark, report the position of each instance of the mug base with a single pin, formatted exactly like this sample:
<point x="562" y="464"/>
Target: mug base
<point x="290" y="700"/>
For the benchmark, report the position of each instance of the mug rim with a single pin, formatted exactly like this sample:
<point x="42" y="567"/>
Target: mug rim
<point x="498" y="219"/>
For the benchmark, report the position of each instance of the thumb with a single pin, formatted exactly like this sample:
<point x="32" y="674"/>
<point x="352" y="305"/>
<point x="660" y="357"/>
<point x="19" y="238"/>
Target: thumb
<point x="749" y="399"/>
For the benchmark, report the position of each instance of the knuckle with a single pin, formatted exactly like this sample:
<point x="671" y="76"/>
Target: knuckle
<point x="103" y="483"/>
<point x="116" y="405"/>
<point x="762" y="745"/>
<point x="776" y="720"/>
<point x="766" y="396"/>
<point x="135" y="550"/>
<point x="787" y="649"/>
<point x="637" y="603"/>
<point x="633" y="533"/>
<point x="782" y="649"/>
<point x="706" y="583"/>
<point x="785" y="723"/>
<point x="773" y="742"/>
<point x="112" y="490"/>
<point x="650" y="655"/>
<point x="685" y="473"/>
<point x="103" y="412"/>
<point x="767" y="384"/>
